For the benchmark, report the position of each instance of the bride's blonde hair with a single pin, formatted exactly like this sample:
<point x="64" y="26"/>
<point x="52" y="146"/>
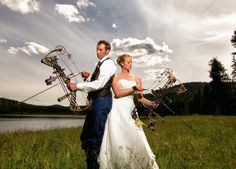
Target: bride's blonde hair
<point x="120" y="59"/>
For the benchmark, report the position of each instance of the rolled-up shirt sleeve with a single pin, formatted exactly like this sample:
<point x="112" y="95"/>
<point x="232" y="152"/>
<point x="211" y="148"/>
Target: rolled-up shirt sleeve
<point x="107" y="70"/>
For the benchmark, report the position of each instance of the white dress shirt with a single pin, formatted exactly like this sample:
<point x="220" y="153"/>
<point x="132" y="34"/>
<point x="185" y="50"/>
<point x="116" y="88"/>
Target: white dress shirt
<point x="107" y="69"/>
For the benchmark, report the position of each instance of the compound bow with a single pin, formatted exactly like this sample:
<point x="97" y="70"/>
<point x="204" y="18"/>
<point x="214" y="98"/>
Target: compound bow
<point x="168" y="82"/>
<point x="51" y="59"/>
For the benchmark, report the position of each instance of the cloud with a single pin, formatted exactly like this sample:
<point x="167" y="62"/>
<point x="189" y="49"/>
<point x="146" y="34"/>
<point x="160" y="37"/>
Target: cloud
<point x="159" y="77"/>
<point x="26" y="6"/>
<point x="114" y="25"/>
<point x="70" y="12"/>
<point x="213" y="30"/>
<point x="12" y="50"/>
<point x="211" y="37"/>
<point x="145" y="52"/>
<point x="84" y="4"/>
<point x="3" y="41"/>
<point x="30" y="48"/>
<point x="152" y="74"/>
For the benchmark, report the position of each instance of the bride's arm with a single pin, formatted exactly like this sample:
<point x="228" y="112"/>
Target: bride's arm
<point x="142" y="99"/>
<point x="118" y="91"/>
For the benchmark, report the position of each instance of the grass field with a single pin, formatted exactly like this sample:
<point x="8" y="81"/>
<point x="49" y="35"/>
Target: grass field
<point x="212" y="146"/>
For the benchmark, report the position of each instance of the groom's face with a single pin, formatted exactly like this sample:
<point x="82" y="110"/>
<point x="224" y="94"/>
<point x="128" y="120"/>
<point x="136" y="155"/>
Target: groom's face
<point x="102" y="51"/>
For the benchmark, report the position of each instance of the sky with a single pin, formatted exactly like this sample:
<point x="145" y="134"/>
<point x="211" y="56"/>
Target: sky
<point x="183" y="35"/>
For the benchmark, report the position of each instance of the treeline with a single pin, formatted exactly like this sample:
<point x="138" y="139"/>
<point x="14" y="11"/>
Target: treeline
<point x="200" y="98"/>
<point x="8" y="106"/>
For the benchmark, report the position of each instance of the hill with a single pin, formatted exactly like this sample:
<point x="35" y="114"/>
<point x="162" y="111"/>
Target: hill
<point x="8" y="106"/>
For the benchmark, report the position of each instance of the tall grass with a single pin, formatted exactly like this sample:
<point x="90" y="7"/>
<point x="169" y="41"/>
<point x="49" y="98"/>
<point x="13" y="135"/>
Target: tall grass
<point x="212" y="146"/>
<point x="57" y="149"/>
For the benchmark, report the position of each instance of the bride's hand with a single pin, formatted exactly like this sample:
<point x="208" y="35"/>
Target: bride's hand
<point x="140" y="88"/>
<point x="153" y="104"/>
<point x="139" y="94"/>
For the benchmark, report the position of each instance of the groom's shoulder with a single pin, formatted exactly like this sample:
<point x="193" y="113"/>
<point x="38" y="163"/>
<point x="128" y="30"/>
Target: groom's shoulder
<point x="109" y="62"/>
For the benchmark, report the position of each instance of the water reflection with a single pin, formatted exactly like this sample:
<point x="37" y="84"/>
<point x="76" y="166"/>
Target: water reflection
<point x="33" y="124"/>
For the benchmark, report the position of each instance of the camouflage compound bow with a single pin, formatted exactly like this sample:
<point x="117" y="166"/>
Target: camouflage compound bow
<point x="51" y="59"/>
<point x="168" y="85"/>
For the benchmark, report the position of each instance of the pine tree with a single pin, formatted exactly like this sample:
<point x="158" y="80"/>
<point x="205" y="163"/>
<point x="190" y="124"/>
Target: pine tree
<point x="217" y="72"/>
<point x="217" y="95"/>
<point x="234" y="69"/>
<point x="233" y="41"/>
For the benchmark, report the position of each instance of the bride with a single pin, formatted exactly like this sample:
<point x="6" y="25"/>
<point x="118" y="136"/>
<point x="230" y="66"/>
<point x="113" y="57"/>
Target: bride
<point x="124" y="144"/>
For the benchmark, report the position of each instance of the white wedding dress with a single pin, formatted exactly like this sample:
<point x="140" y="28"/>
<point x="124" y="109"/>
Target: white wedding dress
<point x="124" y="144"/>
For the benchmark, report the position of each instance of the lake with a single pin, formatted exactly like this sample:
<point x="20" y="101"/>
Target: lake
<point x="38" y="122"/>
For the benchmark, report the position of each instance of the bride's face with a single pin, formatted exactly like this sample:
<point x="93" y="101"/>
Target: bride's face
<point x="127" y="64"/>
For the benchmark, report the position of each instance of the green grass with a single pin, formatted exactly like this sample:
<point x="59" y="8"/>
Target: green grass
<point x="57" y="149"/>
<point x="212" y="146"/>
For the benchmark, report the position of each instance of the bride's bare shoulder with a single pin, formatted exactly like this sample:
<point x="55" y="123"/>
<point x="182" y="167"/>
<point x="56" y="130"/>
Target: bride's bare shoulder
<point x="117" y="76"/>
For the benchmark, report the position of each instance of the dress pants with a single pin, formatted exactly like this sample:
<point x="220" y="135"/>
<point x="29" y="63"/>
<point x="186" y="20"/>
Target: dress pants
<point x="93" y="129"/>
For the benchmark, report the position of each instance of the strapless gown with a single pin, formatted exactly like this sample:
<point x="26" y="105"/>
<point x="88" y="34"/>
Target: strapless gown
<point x="124" y="144"/>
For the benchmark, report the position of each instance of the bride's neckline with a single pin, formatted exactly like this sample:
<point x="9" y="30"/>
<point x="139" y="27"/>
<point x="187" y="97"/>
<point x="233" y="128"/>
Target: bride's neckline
<point x="127" y="80"/>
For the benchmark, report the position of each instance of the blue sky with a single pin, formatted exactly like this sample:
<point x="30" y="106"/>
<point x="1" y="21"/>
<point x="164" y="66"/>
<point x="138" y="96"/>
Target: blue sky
<point x="181" y="34"/>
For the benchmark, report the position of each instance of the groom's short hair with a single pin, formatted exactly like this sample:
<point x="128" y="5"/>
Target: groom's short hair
<point x="106" y="43"/>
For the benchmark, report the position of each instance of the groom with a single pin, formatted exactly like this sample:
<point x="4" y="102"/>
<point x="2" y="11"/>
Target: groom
<point x="100" y="94"/>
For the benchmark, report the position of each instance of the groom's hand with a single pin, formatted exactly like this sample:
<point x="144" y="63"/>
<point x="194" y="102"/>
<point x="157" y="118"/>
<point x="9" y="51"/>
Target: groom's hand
<point x="85" y="75"/>
<point x="72" y="86"/>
